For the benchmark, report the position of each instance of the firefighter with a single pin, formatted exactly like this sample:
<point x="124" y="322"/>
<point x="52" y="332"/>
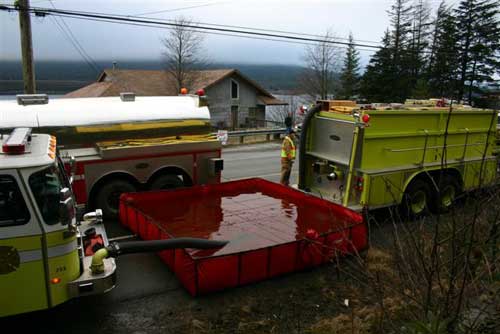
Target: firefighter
<point x="288" y="122"/>
<point x="287" y="156"/>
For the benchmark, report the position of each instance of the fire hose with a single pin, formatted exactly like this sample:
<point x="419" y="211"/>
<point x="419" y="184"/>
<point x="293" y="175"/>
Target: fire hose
<point x="116" y="249"/>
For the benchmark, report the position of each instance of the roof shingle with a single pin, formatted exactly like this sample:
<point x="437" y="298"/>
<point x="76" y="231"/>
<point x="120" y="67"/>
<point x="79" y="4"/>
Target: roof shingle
<point x="112" y="82"/>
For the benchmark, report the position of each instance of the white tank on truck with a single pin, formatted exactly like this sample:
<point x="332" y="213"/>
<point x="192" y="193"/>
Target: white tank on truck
<point x="84" y="121"/>
<point x="123" y="144"/>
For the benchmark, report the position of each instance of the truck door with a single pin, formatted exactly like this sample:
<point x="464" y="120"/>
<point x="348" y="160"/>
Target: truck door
<point x="62" y="257"/>
<point x="23" y="285"/>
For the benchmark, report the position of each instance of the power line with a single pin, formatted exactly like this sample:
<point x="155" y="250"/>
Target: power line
<point x="197" y="23"/>
<point x="203" y="32"/>
<point x="273" y="31"/>
<point x="112" y="18"/>
<point x="233" y="26"/>
<point x="140" y="16"/>
<point x="66" y="13"/>
<point x="74" y="41"/>
<point x="68" y="38"/>
<point x="177" y="9"/>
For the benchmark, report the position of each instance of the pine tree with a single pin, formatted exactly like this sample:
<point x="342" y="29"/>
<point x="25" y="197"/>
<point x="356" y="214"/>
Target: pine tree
<point x="443" y="62"/>
<point x="401" y="21"/>
<point x="479" y="42"/>
<point x="349" y="77"/>
<point x="377" y="82"/>
<point x="419" y="42"/>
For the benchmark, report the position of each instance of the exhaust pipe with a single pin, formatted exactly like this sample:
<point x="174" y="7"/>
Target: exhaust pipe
<point x="116" y="249"/>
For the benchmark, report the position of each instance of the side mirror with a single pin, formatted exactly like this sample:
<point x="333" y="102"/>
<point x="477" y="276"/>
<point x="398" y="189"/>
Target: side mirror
<point x="66" y="207"/>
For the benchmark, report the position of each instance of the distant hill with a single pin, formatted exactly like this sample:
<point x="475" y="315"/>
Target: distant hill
<point x="60" y="77"/>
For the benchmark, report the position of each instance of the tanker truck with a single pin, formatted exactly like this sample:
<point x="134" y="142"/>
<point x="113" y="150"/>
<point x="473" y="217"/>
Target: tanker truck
<point x="123" y="144"/>
<point x="417" y="155"/>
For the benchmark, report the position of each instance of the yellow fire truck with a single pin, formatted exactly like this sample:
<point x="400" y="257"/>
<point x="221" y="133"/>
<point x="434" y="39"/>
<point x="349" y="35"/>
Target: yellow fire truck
<point x="46" y="256"/>
<point x="421" y="154"/>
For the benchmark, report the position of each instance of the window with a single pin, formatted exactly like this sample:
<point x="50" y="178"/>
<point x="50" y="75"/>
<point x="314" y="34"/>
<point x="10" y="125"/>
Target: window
<point x="13" y="209"/>
<point x="46" y="186"/>
<point x="234" y="90"/>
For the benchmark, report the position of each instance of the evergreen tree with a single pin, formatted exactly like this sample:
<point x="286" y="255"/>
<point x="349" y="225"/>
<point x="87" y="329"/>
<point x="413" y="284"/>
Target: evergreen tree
<point x="349" y="77"/>
<point x="388" y="76"/>
<point x="377" y="82"/>
<point x="443" y="62"/>
<point x="419" y="42"/>
<point x="479" y="43"/>
<point x="401" y="16"/>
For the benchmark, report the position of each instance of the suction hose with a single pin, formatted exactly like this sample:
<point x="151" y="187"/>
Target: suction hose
<point x="303" y="141"/>
<point x="120" y="248"/>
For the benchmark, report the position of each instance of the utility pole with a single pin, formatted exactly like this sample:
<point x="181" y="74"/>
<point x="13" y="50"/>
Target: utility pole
<point x="26" y="47"/>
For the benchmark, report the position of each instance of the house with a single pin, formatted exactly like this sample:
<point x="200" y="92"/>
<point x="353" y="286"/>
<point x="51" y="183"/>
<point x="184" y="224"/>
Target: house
<point x="235" y="101"/>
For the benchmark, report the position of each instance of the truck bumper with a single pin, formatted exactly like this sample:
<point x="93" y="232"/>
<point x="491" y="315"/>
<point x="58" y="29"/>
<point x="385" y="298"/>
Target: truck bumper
<point x="88" y="284"/>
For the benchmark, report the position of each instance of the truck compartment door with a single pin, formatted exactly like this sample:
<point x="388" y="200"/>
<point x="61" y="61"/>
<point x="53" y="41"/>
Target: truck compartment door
<point x="328" y="157"/>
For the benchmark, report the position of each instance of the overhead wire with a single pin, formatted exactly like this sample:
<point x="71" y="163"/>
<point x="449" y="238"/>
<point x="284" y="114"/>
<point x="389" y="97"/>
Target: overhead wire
<point x="177" y="9"/>
<point x="252" y="34"/>
<point x="66" y="30"/>
<point x="239" y="27"/>
<point x="274" y="31"/>
<point x="141" y="16"/>
<point x="206" y="32"/>
<point x="89" y="15"/>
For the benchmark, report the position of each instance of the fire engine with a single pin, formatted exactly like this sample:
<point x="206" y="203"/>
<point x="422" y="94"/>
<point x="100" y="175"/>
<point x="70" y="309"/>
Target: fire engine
<point x="124" y="144"/>
<point x="421" y="154"/>
<point x="46" y="256"/>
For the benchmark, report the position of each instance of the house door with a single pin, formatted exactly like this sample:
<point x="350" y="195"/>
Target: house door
<point x="234" y="117"/>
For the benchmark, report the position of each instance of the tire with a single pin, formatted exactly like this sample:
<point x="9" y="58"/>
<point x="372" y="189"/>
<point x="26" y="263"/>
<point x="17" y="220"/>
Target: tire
<point x="108" y="196"/>
<point x="416" y="199"/>
<point x="444" y="200"/>
<point x="167" y="181"/>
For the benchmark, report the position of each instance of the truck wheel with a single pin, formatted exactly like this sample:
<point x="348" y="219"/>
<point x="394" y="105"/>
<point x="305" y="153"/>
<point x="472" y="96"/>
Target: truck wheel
<point x="108" y="197"/>
<point x="416" y="198"/>
<point x="167" y="181"/>
<point x="449" y="189"/>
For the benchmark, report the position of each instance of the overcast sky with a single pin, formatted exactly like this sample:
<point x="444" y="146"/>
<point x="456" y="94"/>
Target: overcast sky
<point x="366" y="19"/>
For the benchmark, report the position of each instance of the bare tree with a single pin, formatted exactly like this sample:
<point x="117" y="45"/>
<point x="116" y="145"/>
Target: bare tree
<point x="277" y="114"/>
<point x="322" y="61"/>
<point x="183" y="53"/>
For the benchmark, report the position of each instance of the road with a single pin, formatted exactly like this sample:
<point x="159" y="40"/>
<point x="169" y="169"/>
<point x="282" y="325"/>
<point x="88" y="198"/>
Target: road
<point x="260" y="160"/>
<point x="146" y="287"/>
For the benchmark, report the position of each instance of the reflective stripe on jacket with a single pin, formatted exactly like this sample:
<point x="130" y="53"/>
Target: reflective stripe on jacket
<point x="288" y="148"/>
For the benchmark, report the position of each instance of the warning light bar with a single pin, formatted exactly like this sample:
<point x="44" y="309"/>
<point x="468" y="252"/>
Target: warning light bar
<point x="17" y="141"/>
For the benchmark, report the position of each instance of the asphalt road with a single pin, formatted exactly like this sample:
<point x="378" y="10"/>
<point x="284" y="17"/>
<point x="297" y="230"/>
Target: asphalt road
<point x="143" y="280"/>
<point x="260" y="160"/>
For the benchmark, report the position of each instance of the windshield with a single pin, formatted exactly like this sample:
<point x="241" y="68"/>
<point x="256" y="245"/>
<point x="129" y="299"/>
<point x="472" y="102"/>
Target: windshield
<point x="46" y="186"/>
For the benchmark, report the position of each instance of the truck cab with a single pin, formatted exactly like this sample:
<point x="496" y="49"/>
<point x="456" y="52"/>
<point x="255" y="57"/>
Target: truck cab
<point x="43" y="261"/>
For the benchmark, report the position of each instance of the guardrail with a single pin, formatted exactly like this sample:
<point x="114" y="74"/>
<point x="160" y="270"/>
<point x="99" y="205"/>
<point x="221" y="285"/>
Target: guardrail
<point x="257" y="134"/>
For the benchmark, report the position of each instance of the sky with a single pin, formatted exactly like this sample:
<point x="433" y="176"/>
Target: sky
<point x="365" y="19"/>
